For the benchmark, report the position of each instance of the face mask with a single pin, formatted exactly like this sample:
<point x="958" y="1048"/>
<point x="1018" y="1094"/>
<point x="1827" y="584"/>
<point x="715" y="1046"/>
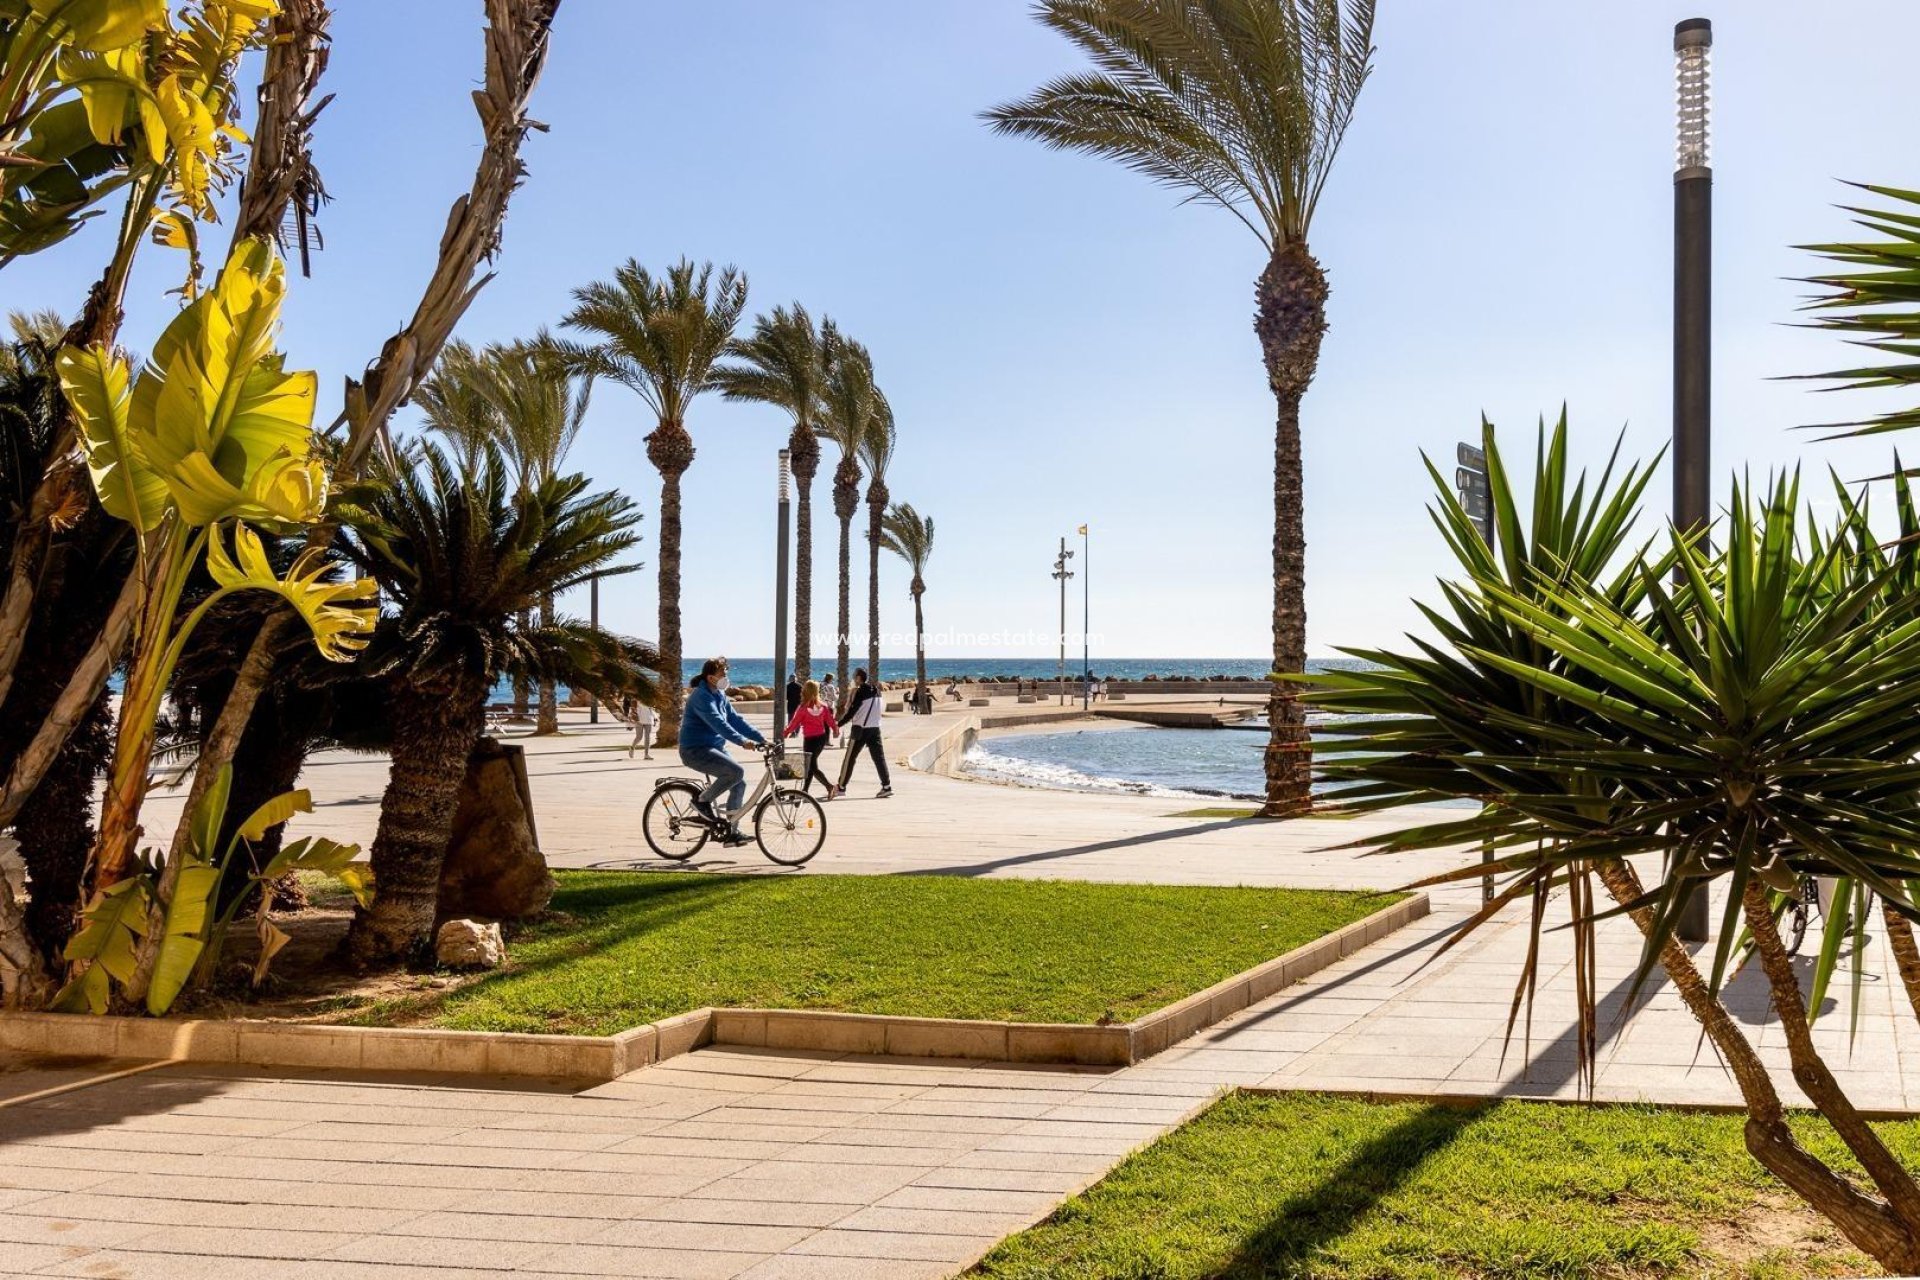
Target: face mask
<point x="719" y="684"/>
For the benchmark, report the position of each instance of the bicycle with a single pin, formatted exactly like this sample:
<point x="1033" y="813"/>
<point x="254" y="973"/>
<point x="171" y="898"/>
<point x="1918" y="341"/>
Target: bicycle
<point x="1801" y="909"/>
<point x="788" y="824"/>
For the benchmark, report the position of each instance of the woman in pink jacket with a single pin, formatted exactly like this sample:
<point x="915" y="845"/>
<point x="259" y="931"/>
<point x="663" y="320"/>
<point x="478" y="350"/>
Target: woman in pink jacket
<point x="813" y="721"/>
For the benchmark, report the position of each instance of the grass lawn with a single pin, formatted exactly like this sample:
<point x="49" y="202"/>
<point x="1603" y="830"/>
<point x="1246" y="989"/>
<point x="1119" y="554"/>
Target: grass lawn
<point x="1338" y="1189"/>
<point x="622" y="949"/>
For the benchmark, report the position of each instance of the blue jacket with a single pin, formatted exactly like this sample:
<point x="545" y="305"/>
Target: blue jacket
<point x="711" y="721"/>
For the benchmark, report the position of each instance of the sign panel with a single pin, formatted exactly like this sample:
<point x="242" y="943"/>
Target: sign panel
<point x="1469" y="456"/>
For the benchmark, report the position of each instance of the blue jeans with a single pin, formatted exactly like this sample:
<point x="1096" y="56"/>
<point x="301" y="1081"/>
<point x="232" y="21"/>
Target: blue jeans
<point x="722" y="768"/>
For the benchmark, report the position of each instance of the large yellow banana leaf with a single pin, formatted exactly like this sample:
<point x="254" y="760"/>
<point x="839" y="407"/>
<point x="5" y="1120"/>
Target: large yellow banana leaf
<point x="340" y="630"/>
<point x="213" y="418"/>
<point x="99" y="25"/>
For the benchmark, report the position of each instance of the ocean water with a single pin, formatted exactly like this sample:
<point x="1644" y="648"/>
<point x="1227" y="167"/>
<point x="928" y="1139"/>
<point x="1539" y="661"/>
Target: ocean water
<point x="760" y="670"/>
<point x="1144" y="761"/>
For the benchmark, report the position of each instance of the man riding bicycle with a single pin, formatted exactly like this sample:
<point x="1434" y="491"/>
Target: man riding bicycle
<point x="707" y="726"/>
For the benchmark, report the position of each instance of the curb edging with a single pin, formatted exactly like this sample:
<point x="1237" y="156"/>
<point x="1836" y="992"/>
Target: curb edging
<point x="601" y="1058"/>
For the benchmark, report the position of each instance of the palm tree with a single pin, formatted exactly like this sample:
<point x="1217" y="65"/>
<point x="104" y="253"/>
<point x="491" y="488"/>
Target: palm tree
<point x="659" y="338"/>
<point x="522" y="397"/>
<point x="909" y="535"/>
<point x="876" y="449"/>
<point x="781" y="363"/>
<point x="1242" y="103"/>
<point x="459" y="554"/>
<point x="851" y="400"/>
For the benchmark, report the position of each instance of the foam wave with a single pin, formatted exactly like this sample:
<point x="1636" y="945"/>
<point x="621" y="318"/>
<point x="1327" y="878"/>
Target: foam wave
<point x="994" y="767"/>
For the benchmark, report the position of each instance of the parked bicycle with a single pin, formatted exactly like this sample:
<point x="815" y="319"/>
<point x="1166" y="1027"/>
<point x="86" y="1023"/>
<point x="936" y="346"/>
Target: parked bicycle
<point x="788" y="824"/>
<point x="1800" y="913"/>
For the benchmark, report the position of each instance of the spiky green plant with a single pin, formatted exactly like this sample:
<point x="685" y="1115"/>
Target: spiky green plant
<point x="1872" y="296"/>
<point x="1752" y="724"/>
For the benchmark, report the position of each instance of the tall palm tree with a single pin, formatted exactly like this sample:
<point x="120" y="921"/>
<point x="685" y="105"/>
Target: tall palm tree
<point x="876" y="450"/>
<point x="659" y="337"/>
<point x="781" y="363"/>
<point x="1242" y="103"/>
<point x="523" y="398"/>
<point x="851" y="400"/>
<point x="909" y="535"/>
<point x="459" y="554"/>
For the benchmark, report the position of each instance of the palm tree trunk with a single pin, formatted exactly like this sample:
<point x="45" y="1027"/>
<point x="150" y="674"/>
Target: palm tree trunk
<point x="670" y="449"/>
<point x="919" y="643"/>
<point x="1291" y="318"/>
<point x="549" y="697"/>
<point x="876" y="510"/>
<point x="523" y="687"/>
<point x="846" y="501"/>
<point x="803" y="448"/>
<point x="434" y="733"/>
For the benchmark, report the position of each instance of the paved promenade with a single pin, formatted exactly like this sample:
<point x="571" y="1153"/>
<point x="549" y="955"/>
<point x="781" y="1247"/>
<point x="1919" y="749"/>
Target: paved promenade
<point x="765" y="1164"/>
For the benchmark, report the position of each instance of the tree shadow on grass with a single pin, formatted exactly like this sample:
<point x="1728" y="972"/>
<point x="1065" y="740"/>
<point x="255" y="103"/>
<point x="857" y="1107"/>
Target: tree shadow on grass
<point x="1307" y="1225"/>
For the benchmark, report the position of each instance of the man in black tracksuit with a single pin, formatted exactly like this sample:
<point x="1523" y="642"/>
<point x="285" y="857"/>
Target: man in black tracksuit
<point x="862" y="724"/>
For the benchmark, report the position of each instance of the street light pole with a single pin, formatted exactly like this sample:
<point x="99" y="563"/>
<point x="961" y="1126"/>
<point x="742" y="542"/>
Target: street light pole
<point x="1060" y="575"/>
<point x="593" y="616"/>
<point x="1692" y="321"/>
<point x="780" y="571"/>
<point x="1086" y="620"/>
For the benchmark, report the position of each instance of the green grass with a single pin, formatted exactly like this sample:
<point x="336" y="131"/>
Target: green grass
<point x="624" y="949"/>
<point x="1338" y="1189"/>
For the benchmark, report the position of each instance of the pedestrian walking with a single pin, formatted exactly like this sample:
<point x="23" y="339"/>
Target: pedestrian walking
<point x="863" y="732"/>
<point x="645" y="721"/>
<point x="813" y="721"/>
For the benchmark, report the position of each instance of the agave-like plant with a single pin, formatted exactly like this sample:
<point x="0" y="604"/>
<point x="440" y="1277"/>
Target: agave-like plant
<point x="1753" y="724"/>
<point x="1872" y="295"/>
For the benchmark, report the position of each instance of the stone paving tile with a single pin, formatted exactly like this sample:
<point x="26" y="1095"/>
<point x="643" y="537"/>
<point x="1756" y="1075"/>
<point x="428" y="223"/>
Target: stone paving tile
<point x="765" y="1213"/>
<point x="657" y="1233"/>
<point x="969" y="1178"/>
<point x="284" y="1241"/>
<point x="131" y="1264"/>
<point x="436" y="1251"/>
<point x="29" y="1227"/>
<point x="616" y="1260"/>
<point x="529" y="1228"/>
<point x="938" y="1222"/>
<point x="790" y="1266"/>
<point x="807" y="1184"/>
<point x="903" y="1245"/>
<point x="971" y="1200"/>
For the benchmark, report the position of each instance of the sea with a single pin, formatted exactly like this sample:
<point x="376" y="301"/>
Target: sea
<point x="1177" y="764"/>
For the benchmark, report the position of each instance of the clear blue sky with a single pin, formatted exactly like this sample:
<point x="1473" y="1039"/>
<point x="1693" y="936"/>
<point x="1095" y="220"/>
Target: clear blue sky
<point x="1062" y="340"/>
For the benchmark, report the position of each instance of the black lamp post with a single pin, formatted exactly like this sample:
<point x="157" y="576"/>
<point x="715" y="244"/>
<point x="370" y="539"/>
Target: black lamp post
<point x="780" y="572"/>
<point x="1692" y="320"/>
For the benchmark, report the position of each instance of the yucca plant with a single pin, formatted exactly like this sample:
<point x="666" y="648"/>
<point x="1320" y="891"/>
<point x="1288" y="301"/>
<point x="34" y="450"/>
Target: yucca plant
<point x="1872" y="295"/>
<point x="459" y="555"/>
<point x="1753" y="725"/>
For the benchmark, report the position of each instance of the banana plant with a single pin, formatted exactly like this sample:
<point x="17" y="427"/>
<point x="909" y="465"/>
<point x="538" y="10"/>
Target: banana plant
<point x="193" y="926"/>
<point x="1744" y="713"/>
<point x="99" y="94"/>
<point x="214" y="435"/>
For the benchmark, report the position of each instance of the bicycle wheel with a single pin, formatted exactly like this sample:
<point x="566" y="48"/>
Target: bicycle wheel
<point x="790" y="826"/>
<point x="672" y="825"/>
<point x="1795" y="923"/>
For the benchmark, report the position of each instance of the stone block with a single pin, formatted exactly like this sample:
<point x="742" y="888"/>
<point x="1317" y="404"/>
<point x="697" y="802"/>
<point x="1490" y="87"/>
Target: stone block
<point x="682" y="1033"/>
<point x="826" y="1032"/>
<point x="946" y="1038"/>
<point x="740" y="1026"/>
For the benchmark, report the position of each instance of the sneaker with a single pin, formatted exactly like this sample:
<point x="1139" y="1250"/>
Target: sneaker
<point x="886" y="793"/>
<point x="705" y="810"/>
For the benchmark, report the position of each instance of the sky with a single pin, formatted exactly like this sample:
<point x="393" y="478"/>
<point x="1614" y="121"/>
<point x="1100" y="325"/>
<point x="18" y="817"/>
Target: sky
<point x="1065" y="342"/>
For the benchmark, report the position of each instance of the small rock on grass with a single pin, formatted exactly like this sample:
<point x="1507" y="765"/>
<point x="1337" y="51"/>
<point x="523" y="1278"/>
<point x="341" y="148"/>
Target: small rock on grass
<point x="470" y="944"/>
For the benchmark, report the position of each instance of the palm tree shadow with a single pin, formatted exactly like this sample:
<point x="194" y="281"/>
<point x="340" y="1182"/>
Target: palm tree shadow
<point x="1291" y="1241"/>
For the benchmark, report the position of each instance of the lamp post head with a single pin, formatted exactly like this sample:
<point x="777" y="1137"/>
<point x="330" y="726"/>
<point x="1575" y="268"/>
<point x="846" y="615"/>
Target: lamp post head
<point x="786" y="472"/>
<point x="1692" y="45"/>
